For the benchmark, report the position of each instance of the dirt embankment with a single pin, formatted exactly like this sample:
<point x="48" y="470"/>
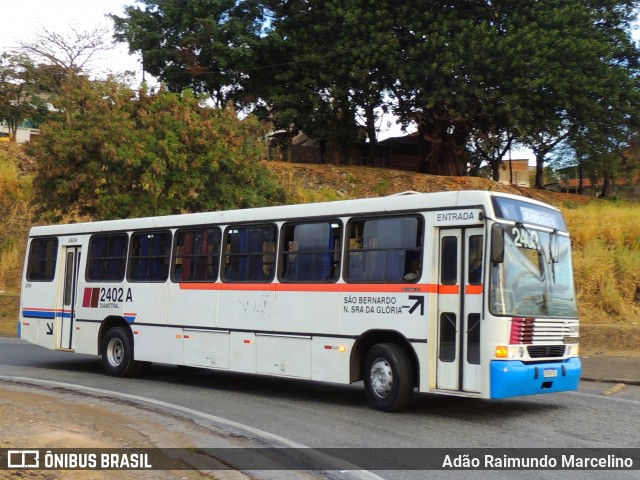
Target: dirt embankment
<point x="35" y="418"/>
<point x="345" y="182"/>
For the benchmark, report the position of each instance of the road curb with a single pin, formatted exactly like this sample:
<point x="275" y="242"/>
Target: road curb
<point x="626" y="381"/>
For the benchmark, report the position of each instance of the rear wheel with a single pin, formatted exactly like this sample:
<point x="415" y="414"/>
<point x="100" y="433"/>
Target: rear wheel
<point x="388" y="377"/>
<point x="117" y="354"/>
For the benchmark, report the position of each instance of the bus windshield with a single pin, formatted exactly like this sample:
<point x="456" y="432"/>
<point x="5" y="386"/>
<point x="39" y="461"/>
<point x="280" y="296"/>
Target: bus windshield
<point x="535" y="279"/>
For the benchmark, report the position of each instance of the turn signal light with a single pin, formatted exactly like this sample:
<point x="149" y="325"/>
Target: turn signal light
<point x="502" y="351"/>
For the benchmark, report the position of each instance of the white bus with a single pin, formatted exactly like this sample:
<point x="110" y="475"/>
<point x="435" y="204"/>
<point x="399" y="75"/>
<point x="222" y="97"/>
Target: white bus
<point x="464" y="293"/>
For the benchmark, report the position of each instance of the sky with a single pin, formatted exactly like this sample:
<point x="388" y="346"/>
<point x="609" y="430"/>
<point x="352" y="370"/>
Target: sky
<point x="22" y="19"/>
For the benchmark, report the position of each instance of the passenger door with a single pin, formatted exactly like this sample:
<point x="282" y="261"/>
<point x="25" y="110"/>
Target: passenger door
<point x="66" y="311"/>
<point x="460" y="294"/>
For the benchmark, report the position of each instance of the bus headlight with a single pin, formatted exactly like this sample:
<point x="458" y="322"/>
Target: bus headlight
<point x="516" y="352"/>
<point x="512" y="352"/>
<point x="573" y="350"/>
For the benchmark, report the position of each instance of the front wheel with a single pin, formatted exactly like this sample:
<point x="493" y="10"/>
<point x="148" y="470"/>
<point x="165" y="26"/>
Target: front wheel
<point x="388" y="377"/>
<point x="117" y="354"/>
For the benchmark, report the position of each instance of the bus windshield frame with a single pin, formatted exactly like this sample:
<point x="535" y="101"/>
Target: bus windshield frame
<point x="535" y="275"/>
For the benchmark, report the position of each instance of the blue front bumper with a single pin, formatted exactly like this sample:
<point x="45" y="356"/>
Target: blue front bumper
<point x="512" y="378"/>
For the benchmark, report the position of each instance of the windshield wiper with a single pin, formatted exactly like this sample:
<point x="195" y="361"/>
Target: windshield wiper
<point x="553" y="241"/>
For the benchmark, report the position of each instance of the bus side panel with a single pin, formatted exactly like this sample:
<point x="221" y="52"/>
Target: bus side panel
<point x="158" y="344"/>
<point x="403" y="312"/>
<point x="192" y="307"/>
<point x="208" y="349"/>
<point x="146" y="303"/>
<point x="330" y="362"/>
<point x="307" y="311"/>
<point x="422" y="353"/>
<point x="242" y="352"/>
<point x="38" y="310"/>
<point x="247" y="308"/>
<point x="286" y="356"/>
<point x="86" y="337"/>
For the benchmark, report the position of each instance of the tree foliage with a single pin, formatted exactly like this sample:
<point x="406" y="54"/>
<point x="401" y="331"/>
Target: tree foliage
<point x="157" y="153"/>
<point x="206" y="45"/>
<point x="466" y="73"/>
<point x="20" y="97"/>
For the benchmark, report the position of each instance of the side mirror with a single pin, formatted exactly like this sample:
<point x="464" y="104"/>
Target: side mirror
<point x="497" y="243"/>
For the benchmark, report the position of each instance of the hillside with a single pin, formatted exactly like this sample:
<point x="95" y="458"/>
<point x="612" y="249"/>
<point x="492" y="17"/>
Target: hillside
<point x="313" y="182"/>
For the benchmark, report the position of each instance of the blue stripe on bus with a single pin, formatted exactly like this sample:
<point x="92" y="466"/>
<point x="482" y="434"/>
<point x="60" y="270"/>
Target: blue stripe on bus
<point x="48" y="314"/>
<point x="53" y="314"/>
<point x="38" y="313"/>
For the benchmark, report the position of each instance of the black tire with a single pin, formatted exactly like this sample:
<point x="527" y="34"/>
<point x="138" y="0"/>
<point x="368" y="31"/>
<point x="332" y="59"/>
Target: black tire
<point x="388" y="377"/>
<point x="117" y="354"/>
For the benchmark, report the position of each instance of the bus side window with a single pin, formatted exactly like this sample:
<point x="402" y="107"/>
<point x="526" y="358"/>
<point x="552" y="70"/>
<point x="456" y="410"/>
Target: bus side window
<point x="42" y="260"/>
<point x="449" y="261"/>
<point x="107" y="258"/>
<point x="384" y="249"/>
<point x="197" y="255"/>
<point x="474" y="274"/>
<point x="311" y="252"/>
<point x="149" y="255"/>
<point x="250" y="254"/>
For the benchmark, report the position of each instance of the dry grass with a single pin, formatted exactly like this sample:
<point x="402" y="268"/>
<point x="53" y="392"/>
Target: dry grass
<point x="15" y="214"/>
<point x="606" y="255"/>
<point x="15" y="221"/>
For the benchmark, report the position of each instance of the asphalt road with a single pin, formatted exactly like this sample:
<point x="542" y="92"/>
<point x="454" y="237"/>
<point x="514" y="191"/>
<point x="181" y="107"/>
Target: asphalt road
<point x="284" y="412"/>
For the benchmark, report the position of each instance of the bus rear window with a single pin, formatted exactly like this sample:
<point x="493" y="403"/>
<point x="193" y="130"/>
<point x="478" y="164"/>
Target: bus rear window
<point x="41" y="266"/>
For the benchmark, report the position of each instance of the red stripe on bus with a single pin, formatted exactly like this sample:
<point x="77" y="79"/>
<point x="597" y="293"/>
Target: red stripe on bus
<point x="86" y="299"/>
<point x="449" y="289"/>
<point x="95" y="297"/>
<point x="333" y="287"/>
<point x="474" y="290"/>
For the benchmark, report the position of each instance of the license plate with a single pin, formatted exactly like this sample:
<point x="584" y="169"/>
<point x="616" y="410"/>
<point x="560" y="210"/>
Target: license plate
<point x="550" y="373"/>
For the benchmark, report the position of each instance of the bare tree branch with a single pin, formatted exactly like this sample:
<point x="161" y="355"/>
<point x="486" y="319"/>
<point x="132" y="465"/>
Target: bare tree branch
<point x="72" y="52"/>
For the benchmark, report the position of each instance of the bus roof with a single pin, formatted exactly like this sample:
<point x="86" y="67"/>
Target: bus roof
<point x="407" y="201"/>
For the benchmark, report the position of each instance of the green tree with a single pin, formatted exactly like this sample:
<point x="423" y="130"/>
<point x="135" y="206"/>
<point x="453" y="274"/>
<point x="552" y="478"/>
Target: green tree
<point x="464" y="72"/>
<point x="205" y="45"/>
<point x="577" y="72"/>
<point x="153" y="154"/>
<point x="19" y="93"/>
<point x="337" y="71"/>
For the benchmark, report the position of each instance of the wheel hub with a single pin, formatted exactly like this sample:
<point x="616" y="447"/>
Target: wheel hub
<point x="381" y="377"/>
<point x="115" y="352"/>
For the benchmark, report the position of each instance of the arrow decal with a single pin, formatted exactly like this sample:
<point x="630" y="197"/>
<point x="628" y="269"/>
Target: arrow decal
<point x="419" y="303"/>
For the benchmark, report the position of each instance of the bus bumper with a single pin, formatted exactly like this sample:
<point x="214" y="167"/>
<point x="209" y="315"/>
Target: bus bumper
<point x="515" y="378"/>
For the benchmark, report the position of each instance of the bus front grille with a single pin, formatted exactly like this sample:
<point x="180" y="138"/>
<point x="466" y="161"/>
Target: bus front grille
<point x="543" y="351"/>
